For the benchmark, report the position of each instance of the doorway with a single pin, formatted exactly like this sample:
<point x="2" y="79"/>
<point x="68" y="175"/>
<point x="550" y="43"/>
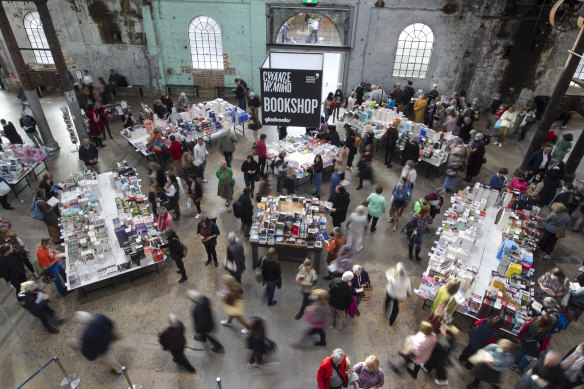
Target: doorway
<point x="332" y="72"/>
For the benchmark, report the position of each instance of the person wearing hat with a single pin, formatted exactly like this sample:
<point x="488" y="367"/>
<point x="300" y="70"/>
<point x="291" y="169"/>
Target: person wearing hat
<point x="96" y="339"/>
<point x="36" y="302"/>
<point x="306" y="278"/>
<point x="173" y="340"/>
<point x="175" y="246"/>
<point x="341" y="296"/>
<point x="203" y="320"/>
<point x="476" y="158"/>
<point x="343" y="262"/>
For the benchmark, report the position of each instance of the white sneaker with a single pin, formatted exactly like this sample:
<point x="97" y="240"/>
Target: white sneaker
<point x="245" y="331"/>
<point x="204" y="181"/>
<point x="423" y="368"/>
<point x="441" y="382"/>
<point x="225" y="323"/>
<point x="500" y="144"/>
<point x="581" y="268"/>
<point x="198" y="216"/>
<point x="495" y="143"/>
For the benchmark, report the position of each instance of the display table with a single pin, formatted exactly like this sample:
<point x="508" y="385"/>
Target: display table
<point x="106" y="228"/>
<point x="490" y="250"/>
<point x="292" y="225"/>
<point x="17" y="162"/>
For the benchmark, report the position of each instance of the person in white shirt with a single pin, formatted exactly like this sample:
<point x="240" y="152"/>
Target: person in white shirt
<point x="87" y="82"/>
<point x="200" y="153"/>
<point x="315" y="25"/>
<point x="356" y="227"/>
<point x="507" y="123"/>
<point x="398" y="288"/>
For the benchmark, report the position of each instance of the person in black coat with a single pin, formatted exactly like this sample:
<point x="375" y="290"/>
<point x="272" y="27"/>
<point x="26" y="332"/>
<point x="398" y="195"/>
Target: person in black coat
<point x="340" y="297"/>
<point x="246" y="210"/>
<point x="203" y="320"/>
<point x="176" y="251"/>
<point x="411" y="152"/>
<point x="11" y="267"/>
<point x="97" y="338"/>
<point x="340" y="202"/>
<point x="173" y="340"/>
<point x="256" y="342"/>
<point x="333" y="135"/>
<point x="535" y="161"/>
<point x="551" y="183"/>
<point x="272" y="274"/>
<point x="439" y="357"/>
<point x="88" y="154"/>
<point x="548" y="371"/>
<point x="250" y="167"/>
<point x="389" y="140"/>
<point x="11" y="133"/>
<point x="36" y="302"/>
<point x="235" y="257"/>
<point x="475" y="160"/>
<point x="156" y="174"/>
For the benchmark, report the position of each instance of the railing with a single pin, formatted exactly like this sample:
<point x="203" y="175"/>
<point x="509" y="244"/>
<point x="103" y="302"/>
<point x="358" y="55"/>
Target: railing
<point x="130" y="385"/>
<point x="71" y="381"/>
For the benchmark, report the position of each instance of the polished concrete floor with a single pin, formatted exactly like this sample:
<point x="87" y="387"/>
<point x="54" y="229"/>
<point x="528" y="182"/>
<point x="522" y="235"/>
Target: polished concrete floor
<point x="140" y="309"/>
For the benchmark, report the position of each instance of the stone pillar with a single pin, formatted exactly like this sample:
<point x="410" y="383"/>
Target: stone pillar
<point x="64" y="75"/>
<point x="20" y="67"/>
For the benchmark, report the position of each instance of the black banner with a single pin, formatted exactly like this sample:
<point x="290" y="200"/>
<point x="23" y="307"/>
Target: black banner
<point x="291" y="97"/>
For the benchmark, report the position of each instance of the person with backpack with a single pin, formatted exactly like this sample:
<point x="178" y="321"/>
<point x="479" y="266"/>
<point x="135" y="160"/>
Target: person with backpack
<point x="178" y="251"/>
<point x="243" y="209"/>
<point x="235" y="257"/>
<point x="28" y="124"/>
<point x="208" y="231"/>
<point x="483" y="333"/>
<point x="534" y="338"/>
<point x="401" y="193"/>
<point x="272" y="275"/>
<point x="173" y="339"/>
<point x="41" y="210"/>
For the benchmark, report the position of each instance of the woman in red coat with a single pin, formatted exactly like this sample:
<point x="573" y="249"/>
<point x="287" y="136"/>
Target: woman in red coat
<point x="333" y="370"/>
<point x="95" y="125"/>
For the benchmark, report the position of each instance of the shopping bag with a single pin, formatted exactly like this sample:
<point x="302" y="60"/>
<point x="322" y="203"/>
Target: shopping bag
<point x="497" y="125"/>
<point x="403" y="304"/>
<point x="481" y="356"/>
<point x="408" y="229"/>
<point x="367" y="293"/>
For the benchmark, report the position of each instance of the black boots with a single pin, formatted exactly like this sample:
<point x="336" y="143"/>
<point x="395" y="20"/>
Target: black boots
<point x="417" y="255"/>
<point x="411" y="255"/>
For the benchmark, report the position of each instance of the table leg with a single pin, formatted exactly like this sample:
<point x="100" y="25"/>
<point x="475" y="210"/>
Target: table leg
<point x="14" y="190"/>
<point x="316" y="261"/>
<point x="254" y="255"/>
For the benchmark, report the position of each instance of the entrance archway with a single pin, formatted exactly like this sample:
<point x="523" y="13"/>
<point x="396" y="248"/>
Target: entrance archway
<point x="309" y="28"/>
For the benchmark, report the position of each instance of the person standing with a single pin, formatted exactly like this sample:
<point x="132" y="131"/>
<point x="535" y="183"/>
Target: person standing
<point x="340" y="202"/>
<point x="11" y="267"/>
<point x="376" y="206"/>
<point x="28" y="124"/>
<point x="317" y="167"/>
<point x="444" y="303"/>
<point x="104" y="92"/>
<point x="359" y="283"/>
<point x="250" y="167"/>
<point x="476" y="159"/>
<point x="327" y="107"/>
<point x="203" y="320"/>
<point x="9" y="237"/>
<point x="50" y="261"/>
<point x="411" y="151"/>
<point x="306" y="278"/>
<point x="195" y="193"/>
<point x="538" y="161"/>
<point x="484" y="332"/>
<point x="254" y="101"/>
<point x="11" y="133"/>
<point x="50" y="219"/>
<point x="226" y="144"/>
<point x="177" y="253"/>
<point x="334" y="244"/>
<point x="175" y="151"/>
<point x="501" y="357"/>
<point x="254" y="123"/>
<point x="356" y="226"/>
<point x="341" y="296"/>
<point x="89" y="154"/>
<point x="225" y="184"/>
<point x="166" y="101"/>
<point x="173" y="192"/>
<point x="369" y="373"/>
<point x="246" y="210"/>
<point x="235" y="257"/>
<point x="173" y="340"/>
<point x="557" y="222"/>
<point x="96" y="339"/>
<point x="272" y="274"/>
<point x="507" y="123"/>
<point x="164" y="219"/>
<point x="87" y="82"/>
<point x="534" y="338"/>
<point x="401" y="193"/>
<point x="562" y="147"/>
<point x="398" y="289"/>
<point x="240" y="93"/>
<point x="338" y="98"/>
<point x="335" y="182"/>
<point x="200" y="155"/>
<point x="390" y="139"/>
<point x="494" y="108"/>
<point x="36" y="302"/>
<point x="96" y="127"/>
<point x="546" y="374"/>
<point x="419" y="108"/>
<point x="208" y="231"/>
<point x="333" y="371"/>
<point x="262" y="153"/>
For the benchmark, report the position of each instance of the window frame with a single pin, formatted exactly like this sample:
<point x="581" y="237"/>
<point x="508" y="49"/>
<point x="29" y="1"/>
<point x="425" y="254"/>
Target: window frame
<point x="205" y="43"/>
<point x="415" y="42"/>
<point x="37" y="38"/>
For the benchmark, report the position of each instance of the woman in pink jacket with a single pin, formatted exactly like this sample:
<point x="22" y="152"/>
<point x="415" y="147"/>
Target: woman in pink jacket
<point x="164" y="219"/>
<point x="418" y="348"/>
<point x="519" y="183"/>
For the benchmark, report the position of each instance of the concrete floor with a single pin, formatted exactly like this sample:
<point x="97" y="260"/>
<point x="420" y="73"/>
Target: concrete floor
<point x="140" y="309"/>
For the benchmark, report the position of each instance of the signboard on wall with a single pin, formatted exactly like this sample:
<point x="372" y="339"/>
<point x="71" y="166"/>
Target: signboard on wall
<point x="291" y="95"/>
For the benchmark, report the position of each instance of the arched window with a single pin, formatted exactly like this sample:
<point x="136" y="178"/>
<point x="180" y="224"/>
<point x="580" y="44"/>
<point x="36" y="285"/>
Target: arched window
<point x="205" y="40"/>
<point x="37" y="38"/>
<point x="414" y="48"/>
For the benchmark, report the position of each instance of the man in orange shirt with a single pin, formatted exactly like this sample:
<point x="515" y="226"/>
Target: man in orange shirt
<point x="50" y="261"/>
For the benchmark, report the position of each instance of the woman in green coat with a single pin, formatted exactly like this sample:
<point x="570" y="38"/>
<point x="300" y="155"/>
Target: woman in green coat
<point x="562" y="147"/>
<point x="376" y="205"/>
<point x="225" y="186"/>
<point x="227" y="144"/>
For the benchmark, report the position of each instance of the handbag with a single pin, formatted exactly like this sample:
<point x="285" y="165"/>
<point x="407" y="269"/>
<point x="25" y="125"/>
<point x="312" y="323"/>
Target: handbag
<point x="367" y="293"/>
<point x="480" y="356"/>
<point x="403" y="304"/>
<point x="352" y="309"/>
<point x="189" y="203"/>
<point x="561" y="234"/>
<point x="4" y="188"/>
<point x="408" y="230"/>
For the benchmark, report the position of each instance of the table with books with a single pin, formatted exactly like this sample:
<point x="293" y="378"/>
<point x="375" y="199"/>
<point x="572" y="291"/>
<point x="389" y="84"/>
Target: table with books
<point x="489" y="248"/>
<point x="18" y="161"/>
<point x="291" y="224"/>
<point x="106" y="228"/>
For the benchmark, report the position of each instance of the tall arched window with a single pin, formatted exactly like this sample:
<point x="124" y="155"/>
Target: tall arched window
<point x="37" y="38"/>
<point x="205" y="40"/>
<point x="414" y="49"/>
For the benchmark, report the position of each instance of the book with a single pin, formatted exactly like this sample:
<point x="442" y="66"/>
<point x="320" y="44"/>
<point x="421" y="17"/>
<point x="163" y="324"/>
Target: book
<point x="53" y="201"/>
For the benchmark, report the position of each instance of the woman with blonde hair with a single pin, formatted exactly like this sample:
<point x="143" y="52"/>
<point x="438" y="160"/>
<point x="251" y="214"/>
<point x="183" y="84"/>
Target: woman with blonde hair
<point x="444" y="303"/>
<point x="556" y="224"/>
<point x="507" y="122"/>
<point x="398" y="288"/>
<point x="369" y="373"/>
<point x="233" y="303"/>
<point x="316" y="315"/>
<point x="355" y="227"/>
<point x="418" y="348"/>
<point x="501" y="357"/>
<point x="422" y="219"/>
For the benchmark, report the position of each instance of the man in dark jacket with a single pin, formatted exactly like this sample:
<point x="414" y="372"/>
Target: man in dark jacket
<point x="173" y="340"/>
<point x="246" y="210"/>
<point x="88" y="154"/>
<point x="340" y="297"/>
<point x="546" y="374"/>
<point x="235" y="258"/>
<point x="390" y="139"/>
<point x="175" y="247"/>
<point x="411" y="152"/>
<point x="11" y="133"/>
<point x="96" y="339"/>
<point x="203" y="320"/>
<point x="28" y="124"/>
<point x="538" y="162"/>
<point x="240" y="92"/>
<point x="36" y="302"/>
<point x="11" y="268"/>
<point x="483" y="333"/>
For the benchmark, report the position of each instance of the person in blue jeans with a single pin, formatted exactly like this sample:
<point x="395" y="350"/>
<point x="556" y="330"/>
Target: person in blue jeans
<point x="272" y="274"/>
<point x="50" y="261"/>
<point x="317" y="167"/>
<point x="422" y="219"/>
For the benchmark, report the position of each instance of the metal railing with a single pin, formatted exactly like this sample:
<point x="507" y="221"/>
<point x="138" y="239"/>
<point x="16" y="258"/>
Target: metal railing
<point x="71" y="381"/>
<point x="124" y="373"/>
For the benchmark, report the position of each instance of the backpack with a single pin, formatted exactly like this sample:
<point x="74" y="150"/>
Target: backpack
<point x="35" y="211"/>
<point x="238" y="209"/>
<point x="561" y="323"/>
<point x="357" y="142"/>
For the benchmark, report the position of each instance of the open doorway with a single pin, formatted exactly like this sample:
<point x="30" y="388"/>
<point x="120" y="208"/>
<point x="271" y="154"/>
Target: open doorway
<point x="332" y="73"/>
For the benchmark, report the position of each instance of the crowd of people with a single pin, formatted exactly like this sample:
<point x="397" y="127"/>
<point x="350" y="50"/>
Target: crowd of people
<point x="349" y="282"/>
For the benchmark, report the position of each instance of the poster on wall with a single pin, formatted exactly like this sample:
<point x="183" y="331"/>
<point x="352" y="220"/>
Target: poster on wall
<point x="291" y="85"/>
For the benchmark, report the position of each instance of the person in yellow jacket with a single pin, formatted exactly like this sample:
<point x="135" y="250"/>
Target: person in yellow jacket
<point x="420" y="107"/>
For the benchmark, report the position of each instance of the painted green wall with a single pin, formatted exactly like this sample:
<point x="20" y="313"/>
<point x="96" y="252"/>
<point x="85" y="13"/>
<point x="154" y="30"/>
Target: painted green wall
<point x="238" y="20"/>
